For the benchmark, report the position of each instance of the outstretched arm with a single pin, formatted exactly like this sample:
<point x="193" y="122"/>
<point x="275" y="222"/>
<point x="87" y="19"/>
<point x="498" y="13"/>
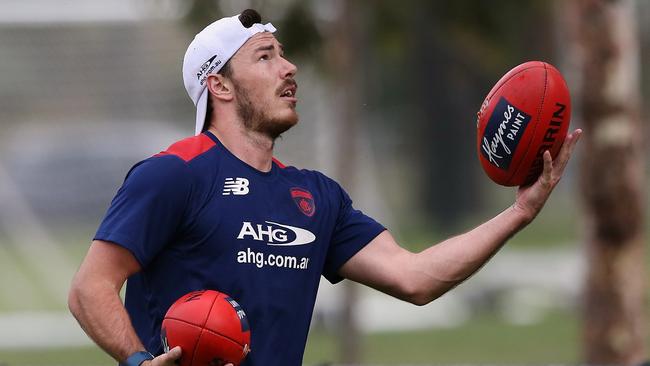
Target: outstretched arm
<point x="422" y="277"/>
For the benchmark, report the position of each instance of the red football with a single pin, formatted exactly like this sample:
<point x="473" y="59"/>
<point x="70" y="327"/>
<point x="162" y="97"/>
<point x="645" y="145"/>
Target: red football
<point x="526" y="113"/>
<point x="209" y="326"/>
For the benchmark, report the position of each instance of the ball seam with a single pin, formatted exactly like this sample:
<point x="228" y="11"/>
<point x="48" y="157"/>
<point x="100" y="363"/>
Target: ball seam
<point x="537" y="122"/>
<point x="489" y="96"/>
<point x="226" y="337"/>
<point x="208" y="329"/>
<point x="196" y="344"/>
<point x="198" y="339"/>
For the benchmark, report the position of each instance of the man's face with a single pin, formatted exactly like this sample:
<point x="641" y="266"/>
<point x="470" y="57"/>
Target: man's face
<point x="265" y="89"/>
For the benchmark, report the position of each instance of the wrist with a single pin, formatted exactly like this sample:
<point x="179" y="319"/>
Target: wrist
<point x="522" y="215"/>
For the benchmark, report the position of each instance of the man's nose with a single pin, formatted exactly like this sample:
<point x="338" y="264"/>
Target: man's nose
<point x="289" y="70"/>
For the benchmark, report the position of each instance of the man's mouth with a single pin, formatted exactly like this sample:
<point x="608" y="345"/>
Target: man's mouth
<point x="289" y="91"/>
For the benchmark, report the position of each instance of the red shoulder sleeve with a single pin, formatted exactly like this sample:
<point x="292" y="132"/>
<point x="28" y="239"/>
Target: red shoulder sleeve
<point x="189" y="148"/>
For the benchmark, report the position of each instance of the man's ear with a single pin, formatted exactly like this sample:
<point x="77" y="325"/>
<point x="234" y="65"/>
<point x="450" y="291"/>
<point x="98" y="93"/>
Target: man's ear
<point x="220" y="87"/>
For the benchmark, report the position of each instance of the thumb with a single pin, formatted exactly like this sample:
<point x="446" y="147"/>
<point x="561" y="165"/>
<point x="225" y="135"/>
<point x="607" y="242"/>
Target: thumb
<point x="166" y="359"/>
<point x="174" y="353"/>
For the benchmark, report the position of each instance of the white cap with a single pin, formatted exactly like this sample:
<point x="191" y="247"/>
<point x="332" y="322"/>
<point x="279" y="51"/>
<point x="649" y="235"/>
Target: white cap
<point x="208" y="52"/>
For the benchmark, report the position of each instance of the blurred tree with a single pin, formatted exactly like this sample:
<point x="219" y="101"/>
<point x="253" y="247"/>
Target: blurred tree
<point x="612" y="183"/>
<point x="345" y="49"/>
<point x="202" y="13"/>
<point x="300" y="36"/>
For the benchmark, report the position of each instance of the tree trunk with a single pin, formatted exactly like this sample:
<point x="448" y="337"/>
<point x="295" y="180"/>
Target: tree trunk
<point x="612" y="181"/>
<point x="344" y="51"/>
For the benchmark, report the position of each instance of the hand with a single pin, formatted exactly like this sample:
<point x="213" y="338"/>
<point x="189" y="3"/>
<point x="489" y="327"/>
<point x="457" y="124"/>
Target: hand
<point x="530" y="199"/>
<point x="171" y="358"/>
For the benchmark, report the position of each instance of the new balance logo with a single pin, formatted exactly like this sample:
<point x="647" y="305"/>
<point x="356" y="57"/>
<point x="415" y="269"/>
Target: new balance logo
<point x="236" y="186"/>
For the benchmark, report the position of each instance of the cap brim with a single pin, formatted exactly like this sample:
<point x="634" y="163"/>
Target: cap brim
<point x="201" y="107"/>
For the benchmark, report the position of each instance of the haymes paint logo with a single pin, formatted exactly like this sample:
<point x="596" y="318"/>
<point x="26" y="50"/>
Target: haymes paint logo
<point x="502" y="133"/>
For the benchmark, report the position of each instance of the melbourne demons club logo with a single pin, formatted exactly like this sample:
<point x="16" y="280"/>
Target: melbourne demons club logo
<point x="304" y="200"/>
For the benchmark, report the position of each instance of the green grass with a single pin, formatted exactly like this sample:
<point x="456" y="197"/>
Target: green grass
<point x="486" y="339"/>
<point x="80" y="356"/>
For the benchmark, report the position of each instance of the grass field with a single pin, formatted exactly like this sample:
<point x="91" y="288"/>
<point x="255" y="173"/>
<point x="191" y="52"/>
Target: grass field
<point x="485" y="340"/>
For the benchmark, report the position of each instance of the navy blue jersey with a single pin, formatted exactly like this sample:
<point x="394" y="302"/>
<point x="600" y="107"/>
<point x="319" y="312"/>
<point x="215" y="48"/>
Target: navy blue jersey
<point x="196" y="217"/>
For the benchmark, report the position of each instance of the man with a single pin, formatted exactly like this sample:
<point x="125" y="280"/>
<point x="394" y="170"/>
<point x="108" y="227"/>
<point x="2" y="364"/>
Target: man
<point x="216" y="211"/>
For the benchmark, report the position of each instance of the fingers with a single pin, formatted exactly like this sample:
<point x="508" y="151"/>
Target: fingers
<point x="169" y="358"/>
<point x="567" y="149"/>
<point x="564" y="155"/>
<point x="553" y="169"/>
<point x="547" y="173"/>
<point x="573" y="139"/>
<point x="174" y="353"/>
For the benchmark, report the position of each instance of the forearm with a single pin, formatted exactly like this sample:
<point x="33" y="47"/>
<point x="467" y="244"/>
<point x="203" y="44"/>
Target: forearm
<point x="100" y="312"/>
<point x="441" y="267"/>
<point x="422" y="277"/>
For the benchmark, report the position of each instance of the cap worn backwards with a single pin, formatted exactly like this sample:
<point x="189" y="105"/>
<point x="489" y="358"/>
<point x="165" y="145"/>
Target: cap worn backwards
<point x="210" y="50"/>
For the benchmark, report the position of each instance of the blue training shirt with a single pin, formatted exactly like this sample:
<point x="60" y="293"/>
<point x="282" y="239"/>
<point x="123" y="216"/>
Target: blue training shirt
<point x="196" y="217"/>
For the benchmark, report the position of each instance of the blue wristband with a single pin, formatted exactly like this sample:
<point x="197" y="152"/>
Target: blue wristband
<point x="137" y="358"/>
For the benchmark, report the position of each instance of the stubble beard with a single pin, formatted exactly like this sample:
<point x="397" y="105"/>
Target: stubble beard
<point x="256" y="119"/>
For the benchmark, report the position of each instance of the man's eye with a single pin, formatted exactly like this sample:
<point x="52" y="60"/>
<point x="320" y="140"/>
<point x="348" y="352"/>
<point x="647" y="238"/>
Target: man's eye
<point x="264" y="57"/>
